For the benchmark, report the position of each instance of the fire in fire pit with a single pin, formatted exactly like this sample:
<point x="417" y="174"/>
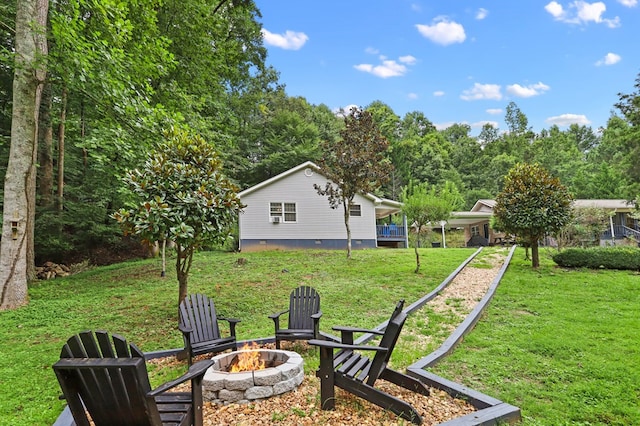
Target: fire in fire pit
<point x="248" y="359"/>
<point x="252" y="374"/>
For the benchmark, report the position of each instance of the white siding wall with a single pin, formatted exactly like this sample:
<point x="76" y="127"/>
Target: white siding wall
<point x="316" y="220"/>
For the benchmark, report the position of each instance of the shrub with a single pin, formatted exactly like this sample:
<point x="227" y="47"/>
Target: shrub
<point x="599" y="258"/>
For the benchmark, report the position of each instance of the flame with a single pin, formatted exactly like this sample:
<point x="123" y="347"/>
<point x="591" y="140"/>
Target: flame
<point x="249" y="360"/>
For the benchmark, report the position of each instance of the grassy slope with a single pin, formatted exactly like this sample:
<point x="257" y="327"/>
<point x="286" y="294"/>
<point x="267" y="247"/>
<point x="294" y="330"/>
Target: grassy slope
<point x="132" y="300"/>
<point x="561" y="345"/>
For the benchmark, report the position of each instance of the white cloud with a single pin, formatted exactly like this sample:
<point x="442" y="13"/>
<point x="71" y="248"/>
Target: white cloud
<point x="628" y="3"/>
<point x="388" y="67"/>
<point x="408" y="59"/>
<point x="345" y="110"/>
<point x="481" y="14"/>
<point x="494" y="111"/>
<point x="372" y="50"/>
<point x="482" y="91"/>
<point x="442" y="31"/>
<point x="290" y="40"/>
<point x="438" y="93"/>
<point x="480" y="124"/>
<point x="527" y="91"/>
<point x="555" y="9"/>
<point x="581" y="12"/>
<point x="568" y="119"/>
<point x="442" y="126"/>
<point x="412" y="96"/>
<point x="609" y="59"/>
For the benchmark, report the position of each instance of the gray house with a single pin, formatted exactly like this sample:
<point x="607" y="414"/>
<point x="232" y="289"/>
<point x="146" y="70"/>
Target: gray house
<point x="286" y="212"/>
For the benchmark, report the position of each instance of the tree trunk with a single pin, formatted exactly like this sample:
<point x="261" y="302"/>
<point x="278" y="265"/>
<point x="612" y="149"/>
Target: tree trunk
<point x="346" y="224"/>
<point x="535" y="257"/>
<point x="16" y="247"/>
<point x="183" y="265"/>
<point x="45" y="144"/>
<point x="417" y="259"/>
<point x="61" y="137"/>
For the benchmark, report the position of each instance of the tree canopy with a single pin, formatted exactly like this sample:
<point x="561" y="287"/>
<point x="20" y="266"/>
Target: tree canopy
<point x="531" y="205"/>
<point x="357" y="164"/>
<point x="181" y="195"/>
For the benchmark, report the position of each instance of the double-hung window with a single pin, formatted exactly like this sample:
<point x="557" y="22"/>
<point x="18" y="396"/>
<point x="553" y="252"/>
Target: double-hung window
<point x="286" y="212"/>
<point x="355" y="210"/>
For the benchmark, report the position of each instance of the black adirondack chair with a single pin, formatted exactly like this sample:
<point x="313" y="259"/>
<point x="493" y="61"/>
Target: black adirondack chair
<point x="200" y="329"/>
<point x="304" y="316"/>
<point x="107" y="378"/>
<point x="357" y="373"/>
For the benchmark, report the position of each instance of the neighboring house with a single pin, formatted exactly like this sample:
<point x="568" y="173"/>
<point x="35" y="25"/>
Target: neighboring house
<point x="475" y="223"/>
<point x="622" y="224"/>
<point x="286" y="212"/>
<point x="478" y="232"/>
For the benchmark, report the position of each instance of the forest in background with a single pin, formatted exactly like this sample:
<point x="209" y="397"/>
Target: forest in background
<point x="119" y="73"/>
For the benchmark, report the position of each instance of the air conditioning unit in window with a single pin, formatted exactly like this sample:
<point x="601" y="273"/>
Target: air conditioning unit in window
<point x="275" y="219"/>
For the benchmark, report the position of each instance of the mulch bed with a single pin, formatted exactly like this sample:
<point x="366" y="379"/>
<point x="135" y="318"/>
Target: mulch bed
<point x="302" y="406"/>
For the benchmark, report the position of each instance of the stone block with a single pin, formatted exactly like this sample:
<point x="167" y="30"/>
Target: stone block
<point x="291" y="368"/>
<point x="239" y="381"/>
<point x="258" y="392"/>
<point x="214" y="380"/>
<point x="231" y="395"/>
<point x="267" y="377"/>
<point x="284" y="386"/>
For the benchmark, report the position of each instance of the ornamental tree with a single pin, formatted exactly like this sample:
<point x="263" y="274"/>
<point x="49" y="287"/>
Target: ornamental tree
<point x="424" y="206"/>
<point x="532" y="204"/>
<point x="181" y="196"/>
<point x="356" y="164"/>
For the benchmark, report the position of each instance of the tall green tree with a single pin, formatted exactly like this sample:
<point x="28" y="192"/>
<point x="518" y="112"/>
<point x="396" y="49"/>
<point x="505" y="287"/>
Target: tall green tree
<point x="181" y="196"/>
<point x="357" y="164"/>
<point x="532" y="204"/>
<point x="17" y="259"/>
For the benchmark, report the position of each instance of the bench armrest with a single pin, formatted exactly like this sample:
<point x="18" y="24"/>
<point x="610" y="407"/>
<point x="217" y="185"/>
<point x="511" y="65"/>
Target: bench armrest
<point x="274" y="316"/>
<point x="196" y="370"/>
<point x="335" y="345"/>
<point x="357" y="330"/>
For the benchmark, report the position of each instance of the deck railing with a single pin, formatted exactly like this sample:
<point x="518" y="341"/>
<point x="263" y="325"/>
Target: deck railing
<point x="621" y="231"/>
<point x="390" y="232"/>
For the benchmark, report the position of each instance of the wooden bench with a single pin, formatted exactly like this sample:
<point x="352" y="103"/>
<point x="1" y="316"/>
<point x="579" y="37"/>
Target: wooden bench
<point x="356" y="373"/>
<point x="303" y="319"/>
<point x="200" y="329"/>
<point x="105" y="379"/>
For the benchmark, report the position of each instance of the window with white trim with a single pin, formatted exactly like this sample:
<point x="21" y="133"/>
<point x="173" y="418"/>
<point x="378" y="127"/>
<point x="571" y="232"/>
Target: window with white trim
<point x="285" y="211"/>
<point x="475" y="230"/>
<point x="355" y="210"/>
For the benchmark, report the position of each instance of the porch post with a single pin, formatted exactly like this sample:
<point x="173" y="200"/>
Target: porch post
<point x="406" y="231"/>
<point x="613" y="237"/>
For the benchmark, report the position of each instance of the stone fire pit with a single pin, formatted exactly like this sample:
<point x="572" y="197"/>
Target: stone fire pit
<point x="284" y="372"/>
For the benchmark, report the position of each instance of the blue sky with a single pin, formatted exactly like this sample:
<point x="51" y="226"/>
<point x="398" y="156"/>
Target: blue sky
<point x="460" y="61"/>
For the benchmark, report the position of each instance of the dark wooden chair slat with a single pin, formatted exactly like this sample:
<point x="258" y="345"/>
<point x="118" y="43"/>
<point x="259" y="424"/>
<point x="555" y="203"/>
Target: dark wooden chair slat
<point x="200" y="327"/>
<point x="304" y="315"/>
<point x="357" y="373"/>
<point x="113" y="386"/>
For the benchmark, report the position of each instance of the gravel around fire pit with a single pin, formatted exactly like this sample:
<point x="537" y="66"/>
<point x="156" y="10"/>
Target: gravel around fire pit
<point x="302" y="406"/>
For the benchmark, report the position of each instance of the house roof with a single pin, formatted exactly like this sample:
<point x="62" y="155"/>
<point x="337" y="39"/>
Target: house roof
<point x="384" y="207"/>
<point x="604" y="204"/>
<point x="483" y="205"/>
<point x="310" y="164"/>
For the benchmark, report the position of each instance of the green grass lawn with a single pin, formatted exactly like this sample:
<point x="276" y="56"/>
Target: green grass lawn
<point x="563" y="345"/>
<point x="132" y="300"/>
